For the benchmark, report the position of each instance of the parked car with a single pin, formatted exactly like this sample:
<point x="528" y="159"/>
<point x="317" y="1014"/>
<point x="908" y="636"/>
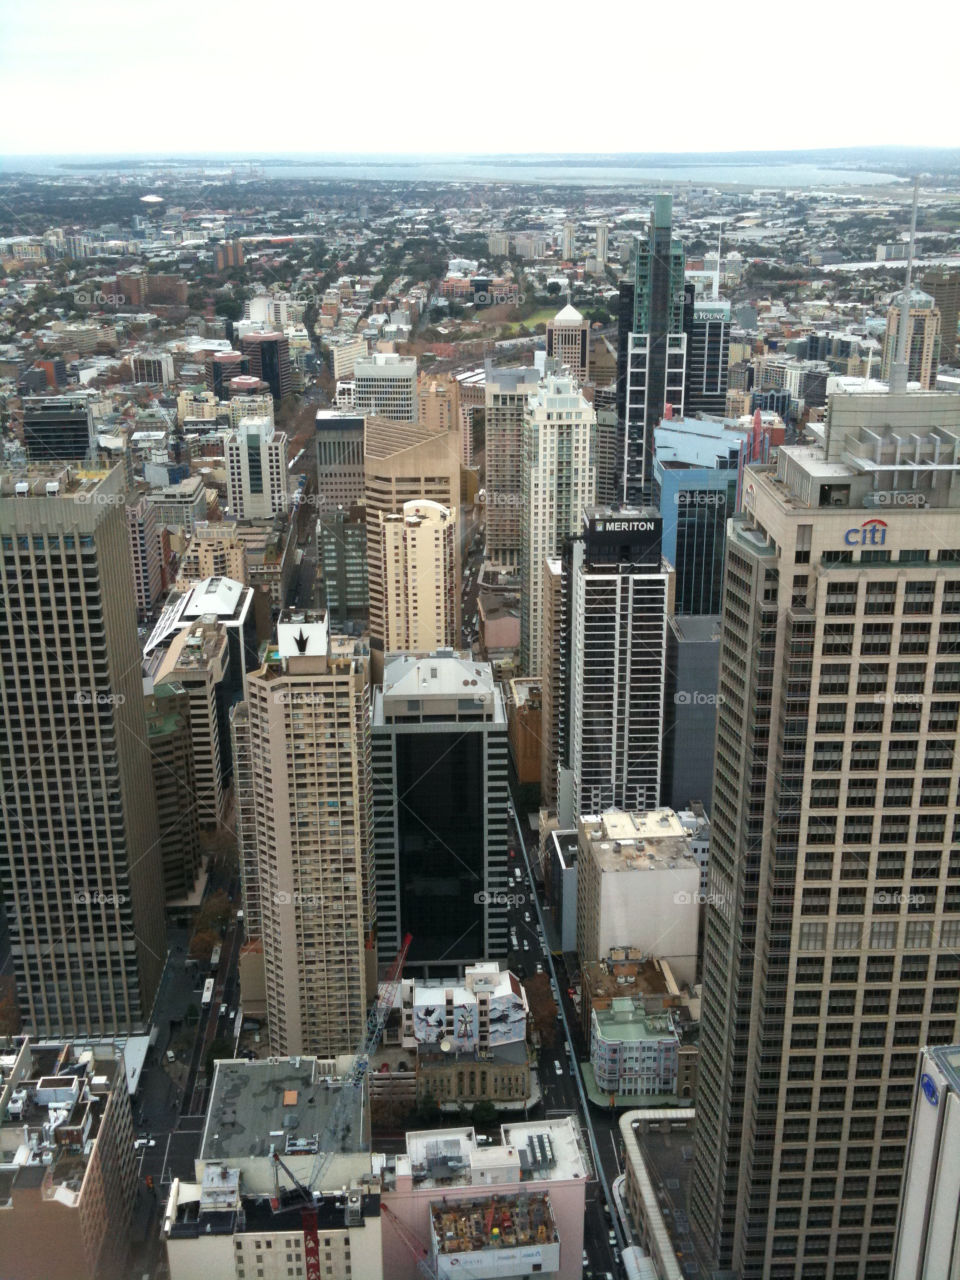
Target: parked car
<point x="559" y="1070"/>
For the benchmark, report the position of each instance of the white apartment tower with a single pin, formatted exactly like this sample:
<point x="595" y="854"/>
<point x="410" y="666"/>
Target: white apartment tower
<point x="559" y="480"/>
<point x="255" y="454"/>
<point x="386" y="385"/>
<point x="418" y="550"/>
<point x="302" y="745"/>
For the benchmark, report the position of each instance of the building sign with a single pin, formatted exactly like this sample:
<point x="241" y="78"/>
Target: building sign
<point x="872" y="533"/>
<point x="641" y="536"/>
<point x="930" y="1090"/>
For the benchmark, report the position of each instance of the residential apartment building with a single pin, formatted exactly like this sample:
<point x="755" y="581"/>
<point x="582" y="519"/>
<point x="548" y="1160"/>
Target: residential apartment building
<point x="418" y="569"/>
<point x="214" y="551"/>
<point x="386" y="385"/>
<point x="143" y="535"/>
<point x="833" y="922"/>
<point x="558" y="482"/>
<point x="923" y="338"/>
<point x="80" y="867"/>
<point x="255" y="456"/>
<point x="568" y="342"/>
<point x="505" y="397"/>
<point x="305" y="846"/>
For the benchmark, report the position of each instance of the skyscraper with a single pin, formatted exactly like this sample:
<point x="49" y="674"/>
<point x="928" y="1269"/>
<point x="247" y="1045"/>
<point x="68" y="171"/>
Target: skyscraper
<point x="58" y="429"/>
<point x="386" y="385"/>
<point x="255" y="457"/>
<point x="602" y="235"/>
<point x="656" y="349"/>
<point x="706" y="324"/>
<point x="506" y="395"/>
<point x="339" y="459"/>
<point x="302" y="739"/>
<point x="221" y="367"/>
<point x="79" y="856"/>
<point x="559" y="480"/>
<point x="418" y="559"/>
<point x="568" y="241"/>
<point x="923" y="337"/>
<point x="440" y="797"/>
<point x="944" y="288"/>
<point x="269" y="356"/>
<point x="568" y="342"/>
<point x="608" y="667"/>
<point x="833" y="923"/>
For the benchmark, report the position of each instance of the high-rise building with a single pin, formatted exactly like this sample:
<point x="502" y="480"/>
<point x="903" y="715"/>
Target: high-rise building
<point x="833" y="919"/>
<point x="628" y="292"/>
<point x="928" y="1239"/>
<point x="175" y="786"/>
<point x="655" y="361"/>
<point x="58" y="429"/>
<point x="269" y="356"/>
<point x="568" y="342"/>
<point x="506" y="395"/>
<point x="339" y="439"/>
<point x="440" y="796"/>
<point x="607" y="665"/>
<point x="79" y="860"/>
<point x="386" y="385"/>
<point x="418" y="569"/>
<point x="229" y="254"/>
<point x="214" y="551"/>
<point x="342" y="566"/>
<point x="559" y="481"/>
<point x="568" y="241"/>
<point x="403" y="462"/>
<point x="923" y="338"/>
<point x="220" y="367"/>
<point x="706" y="323"/>
<point x="944" y="288"/>
<point x="302" y="739"/>
<point x="154" y="367"/>
<point x="255" y="457"/>
<point x="602" y="236"/>
<point x="438" y="402"/>
<point x="143" y="535"/>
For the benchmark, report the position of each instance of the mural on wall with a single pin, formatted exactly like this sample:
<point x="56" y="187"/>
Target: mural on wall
<point x="507" y="1023"/>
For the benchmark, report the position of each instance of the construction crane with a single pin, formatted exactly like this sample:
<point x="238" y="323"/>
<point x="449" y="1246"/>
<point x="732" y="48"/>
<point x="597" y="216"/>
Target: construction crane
<point x="424" y="1265"/>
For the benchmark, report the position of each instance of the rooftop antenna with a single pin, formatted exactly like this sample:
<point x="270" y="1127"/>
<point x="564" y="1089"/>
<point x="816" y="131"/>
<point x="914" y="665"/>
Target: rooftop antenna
<point x="898" y="373"/>
<point x="716" y="274"/>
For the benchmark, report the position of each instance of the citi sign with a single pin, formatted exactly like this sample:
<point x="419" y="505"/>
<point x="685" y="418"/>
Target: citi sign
<point x="872" y="533"/>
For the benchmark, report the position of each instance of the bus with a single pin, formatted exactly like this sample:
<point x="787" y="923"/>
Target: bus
<point x="207" y="993"/>
<point x="214" y="959"/>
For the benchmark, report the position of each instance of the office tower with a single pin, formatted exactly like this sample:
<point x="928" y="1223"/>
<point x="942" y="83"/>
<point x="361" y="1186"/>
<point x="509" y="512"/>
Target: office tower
<point x="255" y="457"/>
<point x="58" y="429"/>
<point x="81" y="872"/>
<point x="418" y="569"/>
<point x="70" y="1165"/>
<point x="606" y="659"/>
<point x="229" y="254"/>
<point x="923" y="338"/>
<point x="269" y="356"/>
<point x="696" y="472"/>
<point x="625" y="306"/>
<point x="706" y="324"/>
<point x="568" y="342"/>
<point x="656" y="349"/>
<point x="154" y="367"/>
<point x="690" y="711"/>
<point x="833" y="924"/>
<point x="568" y="242"/>
<point x="602" y="235"/>
<point x="221" y="367"/>
<point x="506" y="395"/>
<point x="559" y="480"/>
<point x="302" y="738"/>
<point x="143" y="536"/>
<point x="339" y="459"/>
<point x="944" y="288"/>
<point x="403" y="462"/>
<point x="342" y="565"/>
<point x="174" y="782"/>
<point x="928" y="1239"/>
<point x="438" y="402"/>
<point x="386" y="385"/>
<point x="440" y="797"/>
<point x="554" y="675"/>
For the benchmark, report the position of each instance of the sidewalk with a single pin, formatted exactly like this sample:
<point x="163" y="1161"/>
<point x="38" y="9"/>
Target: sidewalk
<point x="625" y="1101"/>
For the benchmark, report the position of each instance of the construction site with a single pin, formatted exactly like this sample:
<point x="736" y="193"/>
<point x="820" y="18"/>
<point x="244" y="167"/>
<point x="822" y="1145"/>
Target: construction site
<point x="519" y="1228"/>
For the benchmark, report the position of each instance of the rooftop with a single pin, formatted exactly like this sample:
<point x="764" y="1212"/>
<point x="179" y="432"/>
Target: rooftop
<point x="494" y="1222"/>
<point x="627" y="1021"/>
<point x="444" y="674"/>
<point x="652" y="841"/>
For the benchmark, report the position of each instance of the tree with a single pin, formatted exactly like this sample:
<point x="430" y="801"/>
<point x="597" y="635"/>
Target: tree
<point x="484" y="1114"/>
<point x="192" y="1014"/>
<point x="214" y="912"/>
<point x="219" y="1049"/>
<point x="202" y="944"/>
<point x="553" y="288"/>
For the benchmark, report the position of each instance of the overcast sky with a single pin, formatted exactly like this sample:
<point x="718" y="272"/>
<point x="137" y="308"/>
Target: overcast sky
<point x="179" y="76"/>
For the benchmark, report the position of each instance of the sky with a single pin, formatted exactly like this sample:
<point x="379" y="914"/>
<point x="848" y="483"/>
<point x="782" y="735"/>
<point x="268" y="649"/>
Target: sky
<point x="191" y="77"/>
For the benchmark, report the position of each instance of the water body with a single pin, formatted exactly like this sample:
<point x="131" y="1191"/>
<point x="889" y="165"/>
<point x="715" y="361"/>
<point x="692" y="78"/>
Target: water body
<point x="558" y="171"/>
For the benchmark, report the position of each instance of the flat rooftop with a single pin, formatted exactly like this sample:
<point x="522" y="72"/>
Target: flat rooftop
<point x="284" y="1102"/>
<point x="649" y="841"/>
<point x="599" y="977"/>
<point x="535" y="1149"/>
<point x="493" y="1222"/>
<point x="624" y="1021"/>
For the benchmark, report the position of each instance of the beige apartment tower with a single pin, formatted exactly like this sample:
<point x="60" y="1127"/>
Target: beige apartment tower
<point x="418" y="557"/>
<point x="923" y="339"/>
<point x="302" y="750"/>
<point x="404" y="462"/>
<point x="506" y="394"/>
<point x="80" y="862"/>
<point x="568" y="341"/>
<point x="832" y="928"/>
<point x="214" y="551"/>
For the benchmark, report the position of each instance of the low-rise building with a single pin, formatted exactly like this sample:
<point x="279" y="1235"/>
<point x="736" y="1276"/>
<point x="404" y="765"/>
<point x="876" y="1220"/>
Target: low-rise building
<point x="180" y="506"/>
<point x="214" y="551"/>
<point x="632" y="1051"/>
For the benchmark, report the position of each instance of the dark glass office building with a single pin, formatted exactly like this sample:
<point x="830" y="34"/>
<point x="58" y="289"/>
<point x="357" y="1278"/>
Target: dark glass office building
<point x="58" y="429"/>
<point x="706" y="322"/>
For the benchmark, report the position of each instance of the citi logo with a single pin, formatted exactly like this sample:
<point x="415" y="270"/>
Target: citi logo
<point x="872" y="533"/>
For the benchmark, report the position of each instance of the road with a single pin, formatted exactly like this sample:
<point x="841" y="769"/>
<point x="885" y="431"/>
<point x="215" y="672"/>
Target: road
<point x="470" y="570"/>
<point x="562" y="1090"/>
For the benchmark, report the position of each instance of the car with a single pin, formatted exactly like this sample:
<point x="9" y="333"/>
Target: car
<point x="612" y="1238"/>
<point x="171" y="1056"/>
<point x="223" y="1011"/>
<point x="539" y="967"/>
<point x="559" y="1070"/>
<point x="616" y="1255"/>
<point x="511" y="854"/>
<point x="526" y="917"/>
<point x="586" y="1260"/>
<point x="526" y="945"/>
<point x="144" y="1142"/>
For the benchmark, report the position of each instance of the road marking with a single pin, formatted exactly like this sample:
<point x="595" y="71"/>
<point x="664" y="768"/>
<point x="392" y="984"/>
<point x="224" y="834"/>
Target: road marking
<point x="165" y="1155"/>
